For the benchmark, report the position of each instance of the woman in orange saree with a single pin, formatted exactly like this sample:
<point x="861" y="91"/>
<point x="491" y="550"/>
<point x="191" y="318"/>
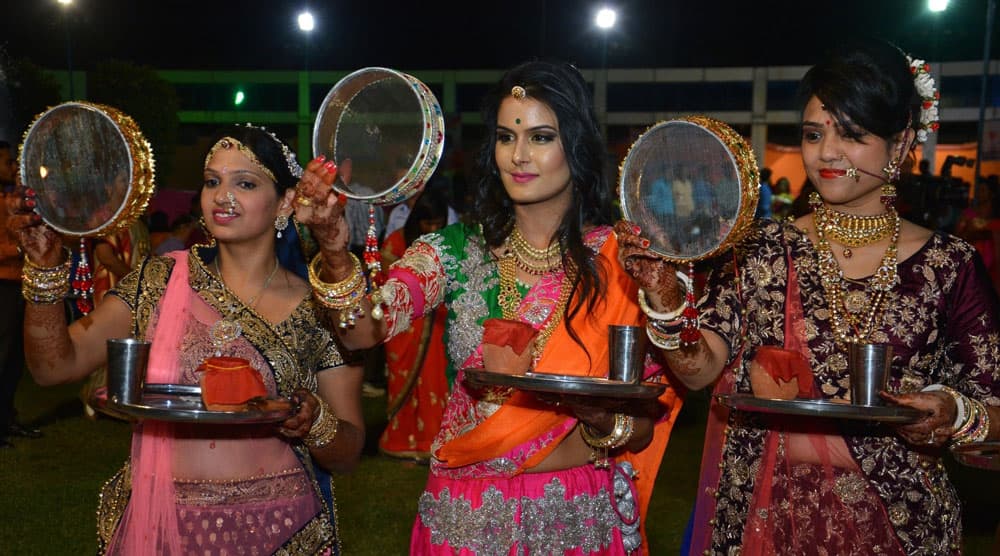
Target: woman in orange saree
<point x="532" y="286"/>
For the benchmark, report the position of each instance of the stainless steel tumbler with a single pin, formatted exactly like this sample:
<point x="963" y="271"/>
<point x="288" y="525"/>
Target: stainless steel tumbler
<point x="127" y="359"/>
<point x="626" y="352"/>
<point x="869" y="368"/>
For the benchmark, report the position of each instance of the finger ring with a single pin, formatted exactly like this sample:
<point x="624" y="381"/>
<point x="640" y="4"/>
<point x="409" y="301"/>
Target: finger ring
<point x="304" y="201"/>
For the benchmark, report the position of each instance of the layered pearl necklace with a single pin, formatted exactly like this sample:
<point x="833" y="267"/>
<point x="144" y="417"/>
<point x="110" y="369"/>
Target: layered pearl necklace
<point x="846" y="328"/>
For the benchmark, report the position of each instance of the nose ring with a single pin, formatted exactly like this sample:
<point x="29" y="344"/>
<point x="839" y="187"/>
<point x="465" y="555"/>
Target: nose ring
<point x="232" y="202"/>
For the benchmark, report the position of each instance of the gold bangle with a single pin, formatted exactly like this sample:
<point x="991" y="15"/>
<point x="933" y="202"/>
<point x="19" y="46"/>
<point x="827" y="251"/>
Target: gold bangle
<point x="977" y="426"/>
<point x="45" y="285"/>
<point x="339" y="295"/>
<point x="31" y="264"/>
<point x="324" y="427"/>
<point x="618" y="437"/>
<point x="662" y="340"/>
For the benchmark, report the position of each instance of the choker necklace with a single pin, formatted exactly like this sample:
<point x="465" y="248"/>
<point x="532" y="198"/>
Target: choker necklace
<point x="530" y="259"/>
<point x="851" y="230"/>
<point x="227" y="329"/>
<point x="846" y="327"/>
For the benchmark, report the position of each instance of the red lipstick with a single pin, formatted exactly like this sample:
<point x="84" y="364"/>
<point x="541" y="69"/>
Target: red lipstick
<point x="832" y="173"/>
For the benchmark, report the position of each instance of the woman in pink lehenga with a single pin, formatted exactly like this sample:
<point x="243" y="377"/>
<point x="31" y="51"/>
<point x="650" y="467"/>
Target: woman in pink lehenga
<point x="212" y="489"/>
<point x="533" y="285"/>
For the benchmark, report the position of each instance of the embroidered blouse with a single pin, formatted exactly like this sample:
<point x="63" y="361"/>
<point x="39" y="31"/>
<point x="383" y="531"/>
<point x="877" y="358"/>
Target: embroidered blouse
<point x="942" y="322"/>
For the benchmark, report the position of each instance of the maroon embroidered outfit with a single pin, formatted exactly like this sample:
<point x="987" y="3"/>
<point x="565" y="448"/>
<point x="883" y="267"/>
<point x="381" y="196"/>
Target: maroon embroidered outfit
<point x="865" y="487"/>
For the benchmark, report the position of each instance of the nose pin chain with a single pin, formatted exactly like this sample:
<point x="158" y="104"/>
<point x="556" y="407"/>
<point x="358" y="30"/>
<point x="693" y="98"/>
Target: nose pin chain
<point x="852" y="172"/>
<point x="232" y="203"/>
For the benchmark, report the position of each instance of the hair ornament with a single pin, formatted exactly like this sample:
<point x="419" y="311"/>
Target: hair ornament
<point x="227" y="143"/>
<point x="290" y="159"/>
<point x="518" y="92"/>
<point x="929" y="97"/>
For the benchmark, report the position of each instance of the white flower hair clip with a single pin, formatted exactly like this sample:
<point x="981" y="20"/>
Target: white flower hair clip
<point x="929" y="97"/>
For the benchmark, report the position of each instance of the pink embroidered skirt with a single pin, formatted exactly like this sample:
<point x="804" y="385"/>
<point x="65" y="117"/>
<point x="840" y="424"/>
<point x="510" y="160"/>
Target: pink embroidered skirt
<point x="578" y="511"/>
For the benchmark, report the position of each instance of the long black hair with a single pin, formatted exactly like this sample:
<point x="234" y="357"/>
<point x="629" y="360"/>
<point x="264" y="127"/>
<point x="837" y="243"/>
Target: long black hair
<point x="865" y="83"/>
<point x="562" y="88"/>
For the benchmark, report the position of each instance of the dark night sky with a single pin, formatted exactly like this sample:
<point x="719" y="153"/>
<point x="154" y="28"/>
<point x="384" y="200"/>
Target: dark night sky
<point x="254" y="34"/>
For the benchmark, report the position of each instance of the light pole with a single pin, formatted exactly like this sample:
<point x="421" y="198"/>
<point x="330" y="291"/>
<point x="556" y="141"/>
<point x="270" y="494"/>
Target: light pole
<point x="69" y="45"/>
<point x="306" y="23"/>
<point x="991" y="12"/>
<point x="604" y="20"/>
<point x="937" y="5"/>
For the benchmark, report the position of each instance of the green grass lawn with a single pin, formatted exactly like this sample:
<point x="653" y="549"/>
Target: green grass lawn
<point x="48" y="487"/>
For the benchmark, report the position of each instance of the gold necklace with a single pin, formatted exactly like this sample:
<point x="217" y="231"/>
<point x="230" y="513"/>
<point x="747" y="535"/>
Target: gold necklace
<point x="852" y="230"/>
<point x="846" y="328"/>
<point x="529" y="258"/>
<point x="228" y="329"/>
<point x="509" y="300"/>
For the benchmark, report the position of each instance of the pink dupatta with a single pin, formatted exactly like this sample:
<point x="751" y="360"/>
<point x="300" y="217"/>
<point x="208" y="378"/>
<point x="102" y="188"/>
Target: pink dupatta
<point x="149" y="524"/>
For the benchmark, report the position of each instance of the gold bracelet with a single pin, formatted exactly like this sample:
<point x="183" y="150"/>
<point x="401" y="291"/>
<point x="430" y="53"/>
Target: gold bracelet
<point x="46" y="285"/>
<point x="344" y="296"/>
<point x="977" y="426"/>
<point x="618" y="437"/>
<point x="341" y="294"/>
<point x="662" y="340"/>
<point x="324" y="427"/>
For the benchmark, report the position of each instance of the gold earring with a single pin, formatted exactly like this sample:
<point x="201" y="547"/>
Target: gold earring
<point x="892" y="171"/>
<point x="280" y="224"/>
<point x="888" y="196"/>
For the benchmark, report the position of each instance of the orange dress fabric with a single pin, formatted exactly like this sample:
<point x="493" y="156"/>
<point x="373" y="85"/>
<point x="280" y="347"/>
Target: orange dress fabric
<point x="521" y="419"/>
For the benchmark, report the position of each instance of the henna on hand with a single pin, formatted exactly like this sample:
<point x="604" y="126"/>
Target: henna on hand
<point x="41" y="243"/>
<point x="653" y="274"/>
<point x="320" y="208"/>
<point x="689" y="360"/>
<point x="298" y="425"/>
<point x="935" y="429"/>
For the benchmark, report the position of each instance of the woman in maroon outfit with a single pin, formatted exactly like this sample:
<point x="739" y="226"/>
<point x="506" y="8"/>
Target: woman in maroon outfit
<point x="779" y="322"/>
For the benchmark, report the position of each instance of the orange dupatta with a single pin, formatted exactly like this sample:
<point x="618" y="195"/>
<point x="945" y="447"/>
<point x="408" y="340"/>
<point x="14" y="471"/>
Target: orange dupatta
<point x="523" y="418"/>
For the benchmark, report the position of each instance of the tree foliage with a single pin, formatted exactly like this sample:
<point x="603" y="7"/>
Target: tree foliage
<point x="29" y="91"/>
<point x="142" y="94"/>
